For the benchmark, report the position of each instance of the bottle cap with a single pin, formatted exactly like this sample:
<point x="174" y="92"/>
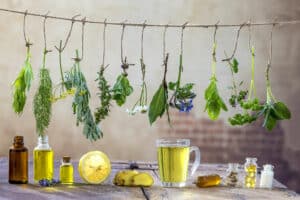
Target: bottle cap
<point x="268" y="167"/>
<point x="66" y="159"/>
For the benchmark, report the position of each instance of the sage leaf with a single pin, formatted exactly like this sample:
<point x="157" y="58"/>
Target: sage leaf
<point x="281" y="111"/>
<point x="158" y="104"/>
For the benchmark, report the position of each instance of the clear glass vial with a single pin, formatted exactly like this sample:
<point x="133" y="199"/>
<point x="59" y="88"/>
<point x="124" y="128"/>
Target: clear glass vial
<point x="43" y="158"/>
<point x="267" y="176"/>
<point x="18" y="162"/>
<point x="66" y="171"/>
<point x="250" y="172"/>
<point x="232" y="175"/>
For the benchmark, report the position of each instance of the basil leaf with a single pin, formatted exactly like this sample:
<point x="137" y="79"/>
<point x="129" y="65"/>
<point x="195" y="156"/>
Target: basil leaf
<point x="213" y="109"/>
<point x="158" y="104"/>
<point x="281" y="111"/>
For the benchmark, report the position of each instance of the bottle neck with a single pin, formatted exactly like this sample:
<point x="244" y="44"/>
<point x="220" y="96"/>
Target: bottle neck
<point x="43" y="143"/>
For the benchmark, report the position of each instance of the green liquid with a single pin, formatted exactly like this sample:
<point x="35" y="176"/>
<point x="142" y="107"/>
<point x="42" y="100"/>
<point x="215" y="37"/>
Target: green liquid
<point x="173" y="163"/>
<point x="66" y="174"/>
<point x="43" y="164"/>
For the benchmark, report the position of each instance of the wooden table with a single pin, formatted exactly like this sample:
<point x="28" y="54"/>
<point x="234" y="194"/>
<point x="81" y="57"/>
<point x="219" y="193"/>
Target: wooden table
<point x="108" y="191"/>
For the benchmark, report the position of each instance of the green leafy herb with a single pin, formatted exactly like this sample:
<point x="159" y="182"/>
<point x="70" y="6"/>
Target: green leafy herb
<point x="105" y="97"/>
<point x="273" y="110"/>
<point x="183" y="96"/>
<point x="159" y="103"/>
<point x="214" y="102"/>
<point x="65" y="89"/>
<point x="42" y="105"/>
<point x="22" y="84"/>
<point x="251" y="104"/>
<point x="141" y="103"/>
<point x="122" y="88"/>
<point x="81" y="102"/>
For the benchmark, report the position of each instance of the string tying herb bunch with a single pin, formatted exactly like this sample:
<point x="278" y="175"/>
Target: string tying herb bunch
<point x="250" y="105"/>
<point x="104" y="95"/>
<point x="183" y="96"/>
<point x="122" y="88"/>
<point x="82" y="96"/>
<point x="63" y="92"/>
<point x="42" y="105"/>
<point x="141" y="103"/>
<point x="159" y="103"/>
<point x="22" y="83"/>
<point x="214" y="102"/>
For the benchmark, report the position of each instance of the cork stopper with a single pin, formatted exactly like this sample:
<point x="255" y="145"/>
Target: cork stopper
<point x="66" y="159"/>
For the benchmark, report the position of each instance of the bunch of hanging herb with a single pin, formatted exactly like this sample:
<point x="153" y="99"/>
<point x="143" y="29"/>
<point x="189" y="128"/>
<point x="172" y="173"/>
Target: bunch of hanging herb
<point x="80" y="103"/>
<point x="183" y="96"/>
<point x="251" y="104"/>
<point x="141" y="103"/>
<point x="105" y="97"/>
<point x="273" y="110"/>
<point x="122" y="88"/>
<point x="64" y="88"/>
<point x="214" y="102"/>
<point x="22" y="84"/>
<point x="159" y="103"/>
<point x="236" y="96"/>
<point x="42" y="105"/>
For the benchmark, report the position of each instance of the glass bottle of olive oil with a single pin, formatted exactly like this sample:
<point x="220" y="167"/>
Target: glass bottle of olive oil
<point x="66" y="171"/>
<point x="43" y="157"/>
<point x="18" y="162"/>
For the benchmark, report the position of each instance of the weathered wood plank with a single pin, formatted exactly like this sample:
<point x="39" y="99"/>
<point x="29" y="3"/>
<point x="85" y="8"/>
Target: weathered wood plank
<point x="108" y="191"/>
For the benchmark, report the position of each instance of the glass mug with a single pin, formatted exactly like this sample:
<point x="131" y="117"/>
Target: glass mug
<point x="173" y="157"/>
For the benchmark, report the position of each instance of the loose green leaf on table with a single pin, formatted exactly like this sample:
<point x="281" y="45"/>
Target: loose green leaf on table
<point x="22" y="84"/>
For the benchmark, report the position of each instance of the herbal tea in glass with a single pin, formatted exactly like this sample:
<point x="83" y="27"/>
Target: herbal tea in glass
<point x="173" y="160"/>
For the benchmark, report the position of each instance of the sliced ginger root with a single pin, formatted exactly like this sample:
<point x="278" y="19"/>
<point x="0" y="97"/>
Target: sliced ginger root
<point x="124" y="178"/>
<point x="142" y="179"/>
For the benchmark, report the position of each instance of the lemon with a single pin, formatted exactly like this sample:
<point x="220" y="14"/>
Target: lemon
<point x="94" y="167"/>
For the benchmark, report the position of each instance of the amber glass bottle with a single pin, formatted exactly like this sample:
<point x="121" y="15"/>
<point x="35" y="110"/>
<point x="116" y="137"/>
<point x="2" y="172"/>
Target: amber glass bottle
<point x="18" y="162"/>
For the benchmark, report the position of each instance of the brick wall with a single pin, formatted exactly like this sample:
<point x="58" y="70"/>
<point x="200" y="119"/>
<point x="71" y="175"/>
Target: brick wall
<point x="222" y="143"/>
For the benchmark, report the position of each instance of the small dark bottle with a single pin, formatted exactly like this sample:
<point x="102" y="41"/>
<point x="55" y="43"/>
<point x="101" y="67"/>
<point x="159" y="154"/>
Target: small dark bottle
<point x="18" y="162"/>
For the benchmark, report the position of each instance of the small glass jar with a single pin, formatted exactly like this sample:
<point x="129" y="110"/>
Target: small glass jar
<point x="232" y="175"/>
<point x="250" y="172"/>
<point x="66" y="171"/>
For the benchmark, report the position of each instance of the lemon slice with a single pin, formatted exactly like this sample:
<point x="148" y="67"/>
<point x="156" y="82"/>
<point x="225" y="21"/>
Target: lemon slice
<point x="94" y="167"/>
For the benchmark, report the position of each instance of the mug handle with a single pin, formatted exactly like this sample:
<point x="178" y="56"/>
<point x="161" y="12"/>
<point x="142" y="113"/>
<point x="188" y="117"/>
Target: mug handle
<point x="197" y="160"/>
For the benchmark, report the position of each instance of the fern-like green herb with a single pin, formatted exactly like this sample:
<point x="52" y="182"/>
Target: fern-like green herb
<point x="42" y="105"/>
<point x="22" y="85"/>
<point x="80" y="103"/>
<point x="105" y="97"/>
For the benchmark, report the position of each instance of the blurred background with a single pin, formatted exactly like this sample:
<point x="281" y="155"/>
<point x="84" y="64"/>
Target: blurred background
<point x="131" y="137"/>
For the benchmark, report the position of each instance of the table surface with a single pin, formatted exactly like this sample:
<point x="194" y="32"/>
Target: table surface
<point x="107" y="190"/>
